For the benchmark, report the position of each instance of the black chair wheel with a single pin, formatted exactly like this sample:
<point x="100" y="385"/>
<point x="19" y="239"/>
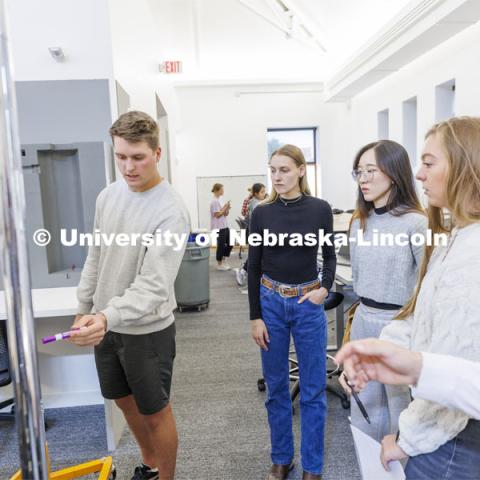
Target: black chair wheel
<point x="113" y="473"/>
<point x="345" y="403"/>
<point x="261" y="385"/>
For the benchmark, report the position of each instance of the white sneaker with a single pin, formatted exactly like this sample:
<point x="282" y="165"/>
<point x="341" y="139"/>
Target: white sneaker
<point x="226" y="265"/>
<point x="223" y="268"/>
<point x="241" y="276"/>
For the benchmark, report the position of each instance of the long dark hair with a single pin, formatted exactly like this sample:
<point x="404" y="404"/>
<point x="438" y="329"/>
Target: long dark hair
<point x="256" y="188"/>
<point x="392" y="159"/>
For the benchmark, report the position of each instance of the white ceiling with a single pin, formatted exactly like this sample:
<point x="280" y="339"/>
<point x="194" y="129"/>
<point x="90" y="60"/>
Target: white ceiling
<point x="222" y="40"/>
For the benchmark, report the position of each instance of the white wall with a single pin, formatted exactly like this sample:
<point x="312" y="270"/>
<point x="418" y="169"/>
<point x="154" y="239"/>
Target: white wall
<point x="223" y="40"/>
<point x="81" y="29"/>
<point x="212" y="131"/>
<point x="457" y="58"/>
<point x="137" y="52"/>
<point x="224" y="133"/>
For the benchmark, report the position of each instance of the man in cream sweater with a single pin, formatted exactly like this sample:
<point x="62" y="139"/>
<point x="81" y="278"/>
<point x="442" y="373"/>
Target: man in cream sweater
<point x="126" y="296"/>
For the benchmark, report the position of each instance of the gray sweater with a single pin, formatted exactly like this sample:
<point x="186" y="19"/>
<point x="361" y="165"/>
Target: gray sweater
<point x="133" y="285"/>
<point x="387" y="274"/>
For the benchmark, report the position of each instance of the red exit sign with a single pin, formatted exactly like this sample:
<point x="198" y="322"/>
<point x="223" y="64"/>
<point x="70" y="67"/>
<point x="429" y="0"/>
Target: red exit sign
<point x="171" y="66"/>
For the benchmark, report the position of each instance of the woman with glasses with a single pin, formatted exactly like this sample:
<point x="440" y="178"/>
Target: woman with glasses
<point x="384" y="275"/>
<point x="286" y="298"/>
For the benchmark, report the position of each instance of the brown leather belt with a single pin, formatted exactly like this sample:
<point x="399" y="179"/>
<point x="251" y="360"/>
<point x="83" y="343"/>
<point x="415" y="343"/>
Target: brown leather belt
<point x="288" y="291"/>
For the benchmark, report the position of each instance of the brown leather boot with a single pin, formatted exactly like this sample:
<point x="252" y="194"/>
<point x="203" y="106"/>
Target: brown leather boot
<point x="279" y="472"/>
<point x="311" y="476"/>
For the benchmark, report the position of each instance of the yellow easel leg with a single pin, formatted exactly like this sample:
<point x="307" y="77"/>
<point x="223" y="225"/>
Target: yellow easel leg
<point x="102" y="465"/>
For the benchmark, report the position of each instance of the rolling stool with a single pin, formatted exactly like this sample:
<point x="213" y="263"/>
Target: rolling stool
<point x="242" y="225"/>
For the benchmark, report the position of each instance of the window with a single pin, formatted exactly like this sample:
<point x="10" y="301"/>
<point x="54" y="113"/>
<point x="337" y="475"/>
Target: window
<point x="383" y="124"/>
<point x="445" y="101"/>
<point x="304" y="138"/>
<point x="410" y="129"/>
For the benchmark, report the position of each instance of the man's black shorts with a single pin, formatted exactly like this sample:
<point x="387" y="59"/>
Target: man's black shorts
<point x="137" y="364"/>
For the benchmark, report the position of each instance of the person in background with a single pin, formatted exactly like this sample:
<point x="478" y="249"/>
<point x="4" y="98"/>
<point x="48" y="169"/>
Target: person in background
<point x="258" y="195"/>
<point x="372" y="359"/>
<point x="219" y="211"/>
<point x="384" y="276"/>
<point x="244" y="210"/>
<point x="286" y="299"/>
<point x="443" y="315"/>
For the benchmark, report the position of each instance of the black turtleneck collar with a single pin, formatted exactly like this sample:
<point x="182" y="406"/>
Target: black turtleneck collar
<point x="290" y="201"/>
<point x="381" y="210"/>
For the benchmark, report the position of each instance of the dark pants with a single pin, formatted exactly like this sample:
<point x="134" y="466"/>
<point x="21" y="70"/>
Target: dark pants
<point x="307" y="324"/>
<point x="458" y="459"/>
<point x="223" y="244"/>
<point x="245" y="265"/>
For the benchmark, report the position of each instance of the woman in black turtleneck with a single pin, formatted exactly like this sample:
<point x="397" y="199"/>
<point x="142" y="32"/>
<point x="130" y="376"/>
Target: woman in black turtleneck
<point x="286" y="298"/>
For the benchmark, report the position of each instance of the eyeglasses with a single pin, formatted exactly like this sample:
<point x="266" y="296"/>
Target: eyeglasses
<point x="368" y="174"/>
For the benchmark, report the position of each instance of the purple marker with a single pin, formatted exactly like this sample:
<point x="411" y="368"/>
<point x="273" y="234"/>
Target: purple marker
<point x="58" y="336"/>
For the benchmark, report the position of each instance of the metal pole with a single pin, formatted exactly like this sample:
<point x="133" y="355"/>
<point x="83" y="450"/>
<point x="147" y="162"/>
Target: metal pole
<point x="16" y="278"/>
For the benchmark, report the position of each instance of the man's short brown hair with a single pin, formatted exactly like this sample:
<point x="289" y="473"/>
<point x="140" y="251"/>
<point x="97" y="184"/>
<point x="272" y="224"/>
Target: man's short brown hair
<point x="136" y="127"/>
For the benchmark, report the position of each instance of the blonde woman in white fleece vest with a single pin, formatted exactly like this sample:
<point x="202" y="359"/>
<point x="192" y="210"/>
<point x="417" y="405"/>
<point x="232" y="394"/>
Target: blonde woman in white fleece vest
<point x="444" y="313"/>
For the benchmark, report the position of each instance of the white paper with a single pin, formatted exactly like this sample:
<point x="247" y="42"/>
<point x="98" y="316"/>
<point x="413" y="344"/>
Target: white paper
<point x="368" y="456"/>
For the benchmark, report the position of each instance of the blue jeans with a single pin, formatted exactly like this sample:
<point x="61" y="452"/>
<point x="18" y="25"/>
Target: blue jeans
<point x="458" y="459"/>
<point x="307" y="324"/>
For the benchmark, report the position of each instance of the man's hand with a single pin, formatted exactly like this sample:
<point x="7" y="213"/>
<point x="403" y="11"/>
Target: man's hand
<point x="390" y="451"/>
<point x="260" y="333"/>
<point x="316" y="296"/>
<point x="91" y="331"/>
<point x="372" y="359"/>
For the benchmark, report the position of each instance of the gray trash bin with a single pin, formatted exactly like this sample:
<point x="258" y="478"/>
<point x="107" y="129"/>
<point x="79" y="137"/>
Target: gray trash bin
<point x="192" y="286"/>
